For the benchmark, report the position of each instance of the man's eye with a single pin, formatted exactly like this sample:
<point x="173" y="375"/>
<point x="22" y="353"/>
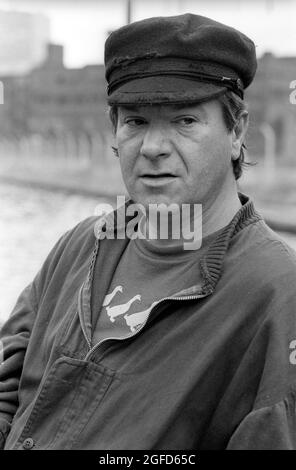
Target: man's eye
<point x="187" y="121"/>
<point x="134" y="122"/>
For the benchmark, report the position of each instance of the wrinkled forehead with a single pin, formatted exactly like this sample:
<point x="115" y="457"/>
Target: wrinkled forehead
<point x="165" y="109"/>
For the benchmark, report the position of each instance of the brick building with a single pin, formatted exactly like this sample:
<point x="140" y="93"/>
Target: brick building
<point x="271" y="111"/>
<point x="56" y="111"/>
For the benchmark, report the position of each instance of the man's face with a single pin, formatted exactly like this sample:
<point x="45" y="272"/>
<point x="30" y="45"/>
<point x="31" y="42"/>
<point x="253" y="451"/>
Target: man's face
<point x="174" y="154"/>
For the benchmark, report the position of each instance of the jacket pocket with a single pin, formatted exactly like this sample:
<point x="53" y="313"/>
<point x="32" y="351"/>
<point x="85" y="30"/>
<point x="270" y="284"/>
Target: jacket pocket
<point x="66" y="399"/>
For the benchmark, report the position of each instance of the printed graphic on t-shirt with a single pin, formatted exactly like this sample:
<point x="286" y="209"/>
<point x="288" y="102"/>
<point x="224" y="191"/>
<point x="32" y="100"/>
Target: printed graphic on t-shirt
<point x="121" y="309"/>
<point x="109" y="297"/>
<point x="136" y="320"/>
<point x="114" y="309"/>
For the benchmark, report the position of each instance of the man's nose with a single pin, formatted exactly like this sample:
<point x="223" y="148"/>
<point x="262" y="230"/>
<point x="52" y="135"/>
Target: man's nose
<point x="155" y="143"/>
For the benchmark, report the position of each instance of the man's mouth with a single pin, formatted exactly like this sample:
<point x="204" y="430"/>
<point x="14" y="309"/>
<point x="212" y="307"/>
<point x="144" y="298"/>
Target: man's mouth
<point x="158" y="175"/>
<point x="153" y="179"/>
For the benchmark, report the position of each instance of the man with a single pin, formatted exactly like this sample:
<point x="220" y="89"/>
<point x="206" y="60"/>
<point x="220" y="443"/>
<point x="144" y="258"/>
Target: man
<point x="131" y="341"/>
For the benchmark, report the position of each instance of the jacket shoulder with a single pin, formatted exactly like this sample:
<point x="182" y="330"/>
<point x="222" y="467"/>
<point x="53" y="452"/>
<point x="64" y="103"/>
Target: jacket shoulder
<point x="81" y="236"/>
<point x="73" y="249"/>
<point x="263" y="251"/>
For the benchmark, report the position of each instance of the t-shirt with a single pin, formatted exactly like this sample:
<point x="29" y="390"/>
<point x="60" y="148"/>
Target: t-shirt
<point x="146" y="273"/>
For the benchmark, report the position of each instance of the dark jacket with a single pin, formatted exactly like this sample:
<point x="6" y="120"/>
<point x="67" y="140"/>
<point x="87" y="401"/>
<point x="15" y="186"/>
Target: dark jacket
<point x="213" y="368"/>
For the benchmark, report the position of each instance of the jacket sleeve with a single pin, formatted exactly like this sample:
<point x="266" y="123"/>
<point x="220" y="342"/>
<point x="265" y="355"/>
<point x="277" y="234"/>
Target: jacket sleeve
<point x="271" y="422"/>
<point x="268" y="428"/>
<point x="14" y="339"/>
<point x="15" y="335"/>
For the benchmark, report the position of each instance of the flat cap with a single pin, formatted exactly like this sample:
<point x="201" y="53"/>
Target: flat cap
<point x="177" y="59"/>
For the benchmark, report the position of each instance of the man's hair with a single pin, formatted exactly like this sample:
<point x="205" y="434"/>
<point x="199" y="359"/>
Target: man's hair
<point x="232" y="108"/>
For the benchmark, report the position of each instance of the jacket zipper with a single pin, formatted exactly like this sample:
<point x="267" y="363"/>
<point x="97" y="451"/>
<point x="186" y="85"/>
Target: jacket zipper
<point x="80" y="316"/>
<point x="96" y="346"/>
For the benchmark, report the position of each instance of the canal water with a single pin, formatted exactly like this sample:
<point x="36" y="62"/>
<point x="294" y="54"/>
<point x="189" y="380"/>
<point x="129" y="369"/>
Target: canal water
<point x="31" y="221"/>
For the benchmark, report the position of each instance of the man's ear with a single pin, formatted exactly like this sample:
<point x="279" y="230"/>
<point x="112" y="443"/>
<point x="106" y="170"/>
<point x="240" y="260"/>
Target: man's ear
<point x="239" y="134"/>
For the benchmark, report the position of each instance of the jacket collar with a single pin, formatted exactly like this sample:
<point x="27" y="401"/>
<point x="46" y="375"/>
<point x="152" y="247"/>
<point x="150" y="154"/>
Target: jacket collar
<point x="211" y="264"/>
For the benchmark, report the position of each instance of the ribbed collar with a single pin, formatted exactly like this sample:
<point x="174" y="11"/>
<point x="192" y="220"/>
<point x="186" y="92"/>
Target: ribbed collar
<point x="211" y="264"/>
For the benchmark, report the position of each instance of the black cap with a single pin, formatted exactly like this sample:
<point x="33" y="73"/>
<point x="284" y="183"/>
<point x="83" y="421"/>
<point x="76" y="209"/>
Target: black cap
<point x="177" y="59"/>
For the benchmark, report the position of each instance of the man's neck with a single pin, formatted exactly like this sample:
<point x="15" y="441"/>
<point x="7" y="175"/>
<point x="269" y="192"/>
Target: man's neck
<point x="220" y="213"/>
<point x="197" y="222"/>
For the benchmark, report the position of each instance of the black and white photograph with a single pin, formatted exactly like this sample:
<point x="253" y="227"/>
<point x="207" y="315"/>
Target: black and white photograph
<point x="148" y="227"/>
